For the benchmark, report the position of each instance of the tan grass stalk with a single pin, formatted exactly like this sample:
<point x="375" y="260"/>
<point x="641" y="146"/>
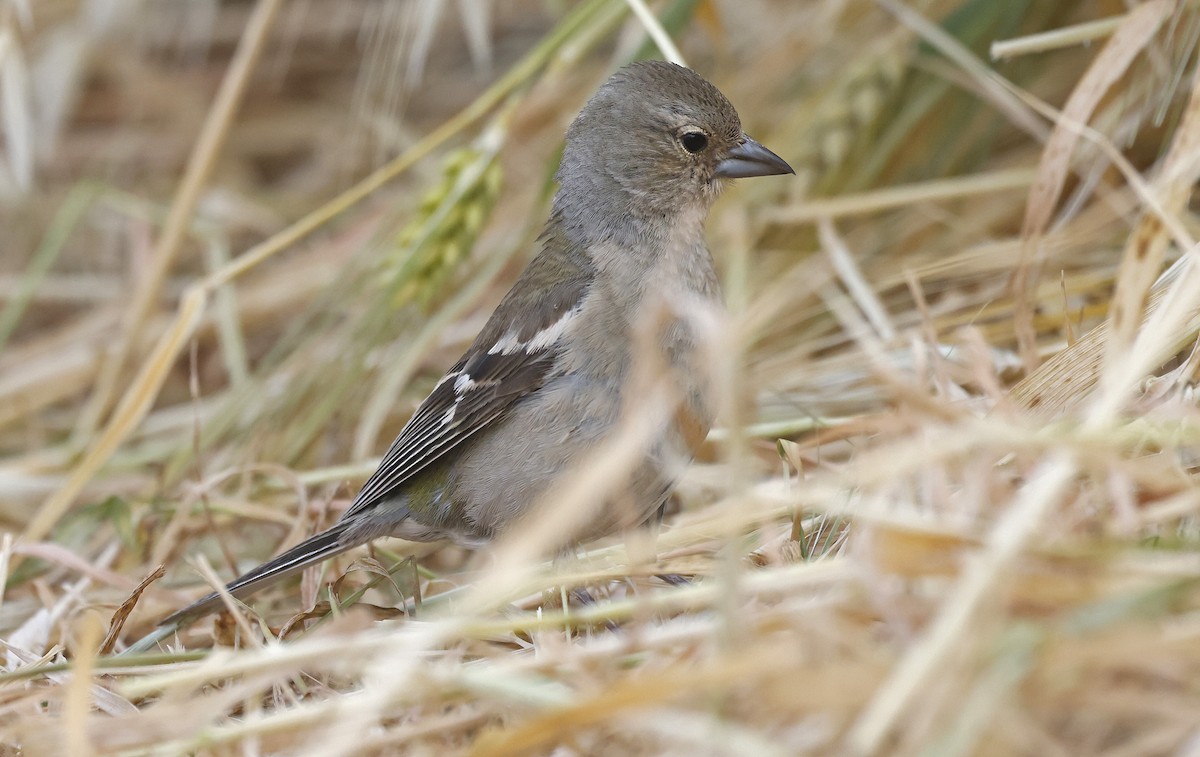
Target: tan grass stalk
<point x="1078" y="34"/>
<point x="200" y="165"/>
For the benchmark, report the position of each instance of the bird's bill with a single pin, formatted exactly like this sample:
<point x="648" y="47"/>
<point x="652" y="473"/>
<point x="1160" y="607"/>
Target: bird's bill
<point x="749" y="158"/>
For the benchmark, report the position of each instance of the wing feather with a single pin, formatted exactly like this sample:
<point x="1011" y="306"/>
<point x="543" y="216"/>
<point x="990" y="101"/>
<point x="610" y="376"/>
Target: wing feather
<point x="428" y="435"/>
<point x="513" y="356"/>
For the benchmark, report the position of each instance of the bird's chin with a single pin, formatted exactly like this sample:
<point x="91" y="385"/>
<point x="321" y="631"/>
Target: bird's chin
<point x="713" y="187"/>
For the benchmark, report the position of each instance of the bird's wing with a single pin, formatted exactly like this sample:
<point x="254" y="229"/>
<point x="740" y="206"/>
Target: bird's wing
<point x="473" y="394"/>
<point x="476" y="392"/>
<point x="512" y="357"/>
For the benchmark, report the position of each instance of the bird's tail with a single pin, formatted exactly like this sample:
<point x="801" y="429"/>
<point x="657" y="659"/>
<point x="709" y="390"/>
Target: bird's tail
<point x="312" y="550"/>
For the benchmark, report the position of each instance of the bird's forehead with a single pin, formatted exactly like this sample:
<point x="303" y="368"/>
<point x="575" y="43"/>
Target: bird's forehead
<point x="714" y="116"/>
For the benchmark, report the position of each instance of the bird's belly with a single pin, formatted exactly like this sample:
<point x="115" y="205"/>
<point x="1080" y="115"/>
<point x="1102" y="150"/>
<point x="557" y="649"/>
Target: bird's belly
<point x="548" y="437"/>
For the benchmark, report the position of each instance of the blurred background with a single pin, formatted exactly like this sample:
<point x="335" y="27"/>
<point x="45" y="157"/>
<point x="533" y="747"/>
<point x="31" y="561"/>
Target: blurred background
<point x="239" y="241"/>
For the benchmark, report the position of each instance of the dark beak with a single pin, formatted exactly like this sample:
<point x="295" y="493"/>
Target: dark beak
<point x="749" y="158"/>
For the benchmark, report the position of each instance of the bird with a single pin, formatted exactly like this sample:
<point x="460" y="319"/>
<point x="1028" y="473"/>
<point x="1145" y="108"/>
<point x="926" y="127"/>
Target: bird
<point x="545" y="380"/>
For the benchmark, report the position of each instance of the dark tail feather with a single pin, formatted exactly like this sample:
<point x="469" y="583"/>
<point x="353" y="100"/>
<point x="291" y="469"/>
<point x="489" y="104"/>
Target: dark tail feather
<point x="311" y="550"/>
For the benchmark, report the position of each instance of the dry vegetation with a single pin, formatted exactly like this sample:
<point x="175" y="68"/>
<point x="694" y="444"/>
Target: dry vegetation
<point x="950" y="509"/>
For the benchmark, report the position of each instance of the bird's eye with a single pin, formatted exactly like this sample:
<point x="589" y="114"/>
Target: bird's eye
<point x="693" y="141"/>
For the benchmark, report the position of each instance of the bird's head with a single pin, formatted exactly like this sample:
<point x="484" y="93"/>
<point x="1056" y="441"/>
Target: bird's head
<point x="662" y="139"/>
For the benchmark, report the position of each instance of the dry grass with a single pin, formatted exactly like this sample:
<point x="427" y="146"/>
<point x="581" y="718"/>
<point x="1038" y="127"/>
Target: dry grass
<point x="950" y="508"/>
